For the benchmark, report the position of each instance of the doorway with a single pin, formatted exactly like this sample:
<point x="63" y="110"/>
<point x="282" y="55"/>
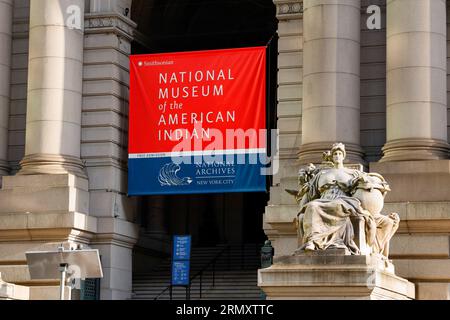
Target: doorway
<point x="192" y="25"/>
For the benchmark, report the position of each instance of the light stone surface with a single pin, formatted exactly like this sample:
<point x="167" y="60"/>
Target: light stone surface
<point x="332" y="275"/>
<point x="10" y="291"/>
<point x="433" y="291"/>
<point x="54" y="90"/>
<point x="408" y="178"/>
<point x="290" y="90"/>
<point x="416" y="80"/>
<point x="13" y="252"/>
<point x="38" y="211"/>
<point x="430" y="246"/>
<point x="41" y="293"/>
<point x="277" y="223"/>
<point x="423" y="269"/>
<point x="331" y="78"/>
<point x="421" y="248"/>
<point x="57" y="193"/>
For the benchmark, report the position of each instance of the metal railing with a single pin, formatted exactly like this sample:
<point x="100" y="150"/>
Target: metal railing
<point x="200" y="274"/>
<point x="239" y="252"/>
<point x="206" y="267"/>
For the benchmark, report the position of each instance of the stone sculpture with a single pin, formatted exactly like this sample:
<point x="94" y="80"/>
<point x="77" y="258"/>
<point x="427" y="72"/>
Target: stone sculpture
<point x="336" y="201"/>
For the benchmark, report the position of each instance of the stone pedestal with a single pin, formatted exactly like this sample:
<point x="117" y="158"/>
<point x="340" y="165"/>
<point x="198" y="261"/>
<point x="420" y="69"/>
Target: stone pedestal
<point x="421" y="248"/>
<point x="332" y="275"/>
<point x="38" y="213"/>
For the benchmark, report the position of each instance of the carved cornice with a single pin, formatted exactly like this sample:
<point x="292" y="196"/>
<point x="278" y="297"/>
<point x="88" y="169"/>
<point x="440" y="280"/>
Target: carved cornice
<point x="289" y="9"/>
<point x="110" y="22"/>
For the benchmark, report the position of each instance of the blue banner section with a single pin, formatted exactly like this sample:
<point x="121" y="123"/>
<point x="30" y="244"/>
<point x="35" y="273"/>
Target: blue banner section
<point x="180" y="273"/>
<point x="164" y="176"/>
<point x="181" y="248"/>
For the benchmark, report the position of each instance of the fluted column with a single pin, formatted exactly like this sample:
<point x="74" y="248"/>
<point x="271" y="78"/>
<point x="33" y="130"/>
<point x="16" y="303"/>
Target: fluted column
<point x="5" y="79"/>
<point x="331" y="79"/>
<point x="53" y="129"/>
<point x="416" y="80"/>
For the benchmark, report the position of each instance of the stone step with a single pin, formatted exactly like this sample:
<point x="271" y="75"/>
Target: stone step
<point x="205" y="276"/>
<point x="183" y="297"/>
<point x="238" y="283"/>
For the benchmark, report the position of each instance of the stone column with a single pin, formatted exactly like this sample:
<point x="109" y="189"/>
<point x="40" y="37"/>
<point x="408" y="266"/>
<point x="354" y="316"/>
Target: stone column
<point x="5" y="79"/>
<point x="416" y="80"/>
<point x="331" y="79"/>
<point x="53" y="129"/>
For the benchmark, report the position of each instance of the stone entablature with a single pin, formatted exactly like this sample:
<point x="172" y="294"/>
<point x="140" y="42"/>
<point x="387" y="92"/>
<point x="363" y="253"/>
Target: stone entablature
<point x="289" y="9"/>
<point x="110" y="22"/>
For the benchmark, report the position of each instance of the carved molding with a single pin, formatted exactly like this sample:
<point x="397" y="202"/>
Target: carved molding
<point x="95" y="22"/>
<point x="289" y="9"/>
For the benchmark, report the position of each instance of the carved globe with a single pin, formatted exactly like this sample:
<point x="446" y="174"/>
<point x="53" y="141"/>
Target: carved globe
<point x="370" y="192"/>
<point x="371" y="200"/>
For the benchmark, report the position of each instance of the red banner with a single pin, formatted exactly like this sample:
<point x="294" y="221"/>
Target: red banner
<point x="222" y="89"/>
<point x="192" y="98"/>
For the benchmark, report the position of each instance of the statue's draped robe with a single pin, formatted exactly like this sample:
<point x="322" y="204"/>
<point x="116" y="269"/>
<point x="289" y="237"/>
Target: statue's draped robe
<point x="386" y="228"/>
<point x="327" y="217"/>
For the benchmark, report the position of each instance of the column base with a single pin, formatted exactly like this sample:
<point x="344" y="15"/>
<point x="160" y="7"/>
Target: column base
<point x="4" y="168"/>
<point x="415" y="149"/>
<point x="52" y="164"/>
<point x="313" y="152"/>
<point x="332" y="275"/>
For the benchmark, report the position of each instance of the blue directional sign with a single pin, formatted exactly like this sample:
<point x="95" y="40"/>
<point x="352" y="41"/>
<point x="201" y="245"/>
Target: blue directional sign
<point x="181" y="256"/>
<point x="181" y="248"/>
<point x="180" y="273"/>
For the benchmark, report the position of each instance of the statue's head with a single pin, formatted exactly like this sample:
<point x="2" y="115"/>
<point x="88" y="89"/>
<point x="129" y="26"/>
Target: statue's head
<point x="338" y="156"/>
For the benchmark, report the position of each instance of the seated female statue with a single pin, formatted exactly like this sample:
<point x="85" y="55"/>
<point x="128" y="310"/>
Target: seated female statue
<point x="330" y="198"/>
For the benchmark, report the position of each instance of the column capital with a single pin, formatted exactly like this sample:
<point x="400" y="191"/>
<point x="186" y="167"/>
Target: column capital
<point x="289" y="9"/>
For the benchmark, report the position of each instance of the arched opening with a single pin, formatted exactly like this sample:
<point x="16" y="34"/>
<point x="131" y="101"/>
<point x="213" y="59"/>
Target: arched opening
<point x="191" y="25"/>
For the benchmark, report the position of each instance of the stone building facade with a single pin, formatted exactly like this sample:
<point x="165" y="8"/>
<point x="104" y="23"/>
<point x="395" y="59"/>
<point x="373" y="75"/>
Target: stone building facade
<point x="63" y="127"/>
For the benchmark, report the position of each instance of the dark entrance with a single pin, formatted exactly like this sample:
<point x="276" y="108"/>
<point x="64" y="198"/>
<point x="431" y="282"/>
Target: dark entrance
<point x="190" y="25"/>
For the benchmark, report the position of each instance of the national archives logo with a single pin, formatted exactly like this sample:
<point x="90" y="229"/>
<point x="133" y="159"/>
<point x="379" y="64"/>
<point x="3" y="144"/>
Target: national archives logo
<point x="168" y="176"/>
